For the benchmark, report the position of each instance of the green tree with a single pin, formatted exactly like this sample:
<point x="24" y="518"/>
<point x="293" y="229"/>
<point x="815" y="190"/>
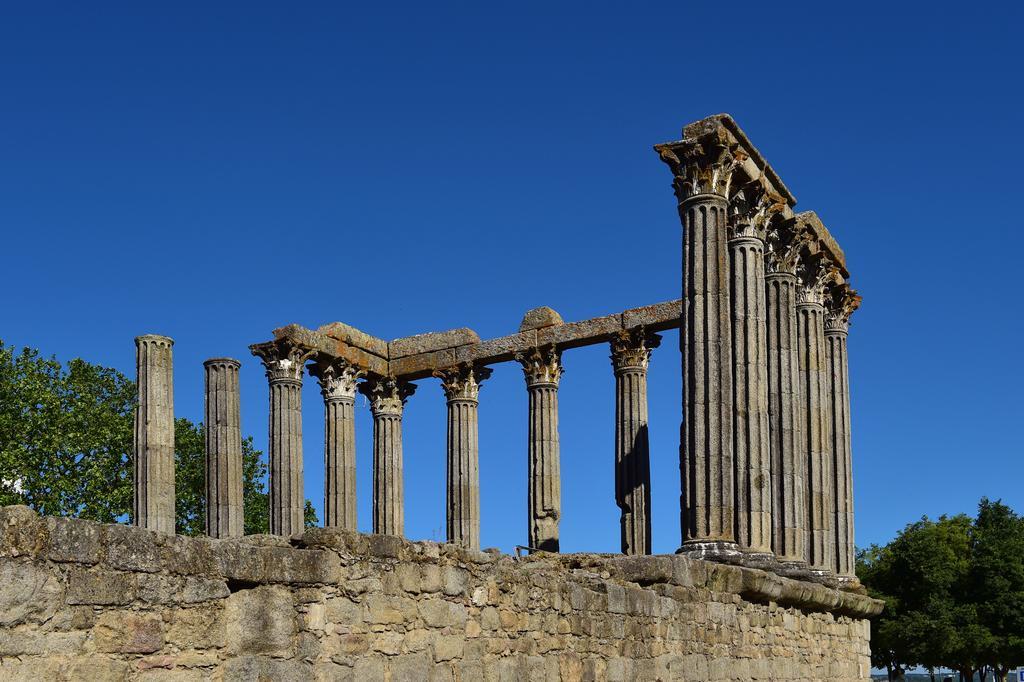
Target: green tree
<point x="66" y="441"/>
<point x="65" y="436"/>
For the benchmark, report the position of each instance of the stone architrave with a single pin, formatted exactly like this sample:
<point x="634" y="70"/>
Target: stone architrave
<point x="387" y="397"/>
<point x="788" y="454"/>
<point x="702" y="170"/>
<point x="631" y="353"/>
<point x="224" y="507"/>
<point x="154" y="434"/>
<point x="754" y="206"/>
<point x="337" y="379"/>
<point x="461" y="386"/>
<point x="841" y="304"/>
<point x="815" y="409"/>
<point x="543" y="370"/>
<point x="284" y="364"/>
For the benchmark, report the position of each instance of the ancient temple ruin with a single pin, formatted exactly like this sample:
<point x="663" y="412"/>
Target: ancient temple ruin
<point x="763" y="585"/>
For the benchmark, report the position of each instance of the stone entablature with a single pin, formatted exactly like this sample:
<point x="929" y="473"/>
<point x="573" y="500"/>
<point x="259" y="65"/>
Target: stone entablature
<point x="81" y="600"/>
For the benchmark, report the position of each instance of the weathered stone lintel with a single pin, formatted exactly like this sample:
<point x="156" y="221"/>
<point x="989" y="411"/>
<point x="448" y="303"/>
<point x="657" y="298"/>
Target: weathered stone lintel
<point x="821" y="239"/>
<point x="261" y="559"/>
<point x="331" y="348"/>
<point x="654" y="318"/>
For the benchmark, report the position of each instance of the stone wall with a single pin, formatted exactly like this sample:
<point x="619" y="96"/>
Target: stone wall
<point x="81" y="600"/>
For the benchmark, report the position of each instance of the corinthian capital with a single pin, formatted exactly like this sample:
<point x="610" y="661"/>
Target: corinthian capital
<point x="283" y="360"/>
<point x="782" y="250"/>
<point x="752" y="209"/>
<point x="631" y="349"/>
<point x="703" y="165"/>
<point x="337" y="378"/>
<point x="815" y="275"/>
<point x="839" y="306"/>
<point x="463" y="381"/>
<point x="541" y="365"/>
<point x="387" y="395"/>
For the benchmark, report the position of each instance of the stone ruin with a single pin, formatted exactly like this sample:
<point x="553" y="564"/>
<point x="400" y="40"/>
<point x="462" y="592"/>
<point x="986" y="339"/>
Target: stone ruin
<point x="762" y="587"/>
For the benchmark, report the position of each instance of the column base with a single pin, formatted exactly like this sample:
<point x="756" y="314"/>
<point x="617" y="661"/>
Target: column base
<point x="850" y="583"/>
<point x="722" y="551"/>
<point x="795" y="569"/>
<point x="764" y="561"/>
<point x="824" y="576"/>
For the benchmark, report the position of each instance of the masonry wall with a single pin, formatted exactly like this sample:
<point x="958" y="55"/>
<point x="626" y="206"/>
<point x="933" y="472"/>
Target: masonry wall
<point x="85" y="601"/>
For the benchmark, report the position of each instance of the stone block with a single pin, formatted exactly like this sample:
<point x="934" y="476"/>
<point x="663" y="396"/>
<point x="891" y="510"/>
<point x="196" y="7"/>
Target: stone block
<point x="129" y="632"/>
<point x="129" y="548"/>
<point x="248" y="668"/>
<point x="455" y="580"/>
<point x="101" y="588"/>
<point x="196" y="628"/>
<point x="74" y="540"/>
<point x="430" y="342"/>
<point x="22" y="534"/>
<point x="260" y="621"/>
<point x="28" y="592"/>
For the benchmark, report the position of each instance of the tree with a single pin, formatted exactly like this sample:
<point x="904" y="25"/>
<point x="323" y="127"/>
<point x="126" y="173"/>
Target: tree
<point x="66" y="441"/>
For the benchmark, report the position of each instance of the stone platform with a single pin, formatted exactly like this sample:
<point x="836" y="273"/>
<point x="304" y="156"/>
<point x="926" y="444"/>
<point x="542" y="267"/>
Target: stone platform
<point x="81" y="600"/>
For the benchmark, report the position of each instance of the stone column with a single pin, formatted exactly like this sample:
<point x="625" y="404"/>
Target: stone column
<point x="284" y="365"/>
<point x="224" y="511"/>
<point x="703" y="170"/>
<point x="789" y="460"/>
<point x="816" y="420"/>
<point x="461" y="387"/>
<point x="631" y="353"/>
<point x="543" y="370"/>
<point x="337" y="381"/>
<point x="153" y="506"/>
<point x="387" y="397"/>
<point x="753" y="208"/>
<point x="842" y="303"/>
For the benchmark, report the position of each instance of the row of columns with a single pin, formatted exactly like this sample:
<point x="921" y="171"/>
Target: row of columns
<point x="765" y="453"/>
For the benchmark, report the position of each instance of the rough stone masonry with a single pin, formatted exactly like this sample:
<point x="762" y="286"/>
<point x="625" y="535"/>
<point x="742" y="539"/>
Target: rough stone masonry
<point x="762" y="586"/>
<point x="87" y="601"/>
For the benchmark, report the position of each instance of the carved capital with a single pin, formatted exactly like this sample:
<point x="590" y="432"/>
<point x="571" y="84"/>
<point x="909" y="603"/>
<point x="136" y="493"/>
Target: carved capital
<point x="462" y="382"/>
<point x="839" y="306"/>
<point x="752" y="209"/>
<point x="631" y="349"/>
<point x="337" y="379"/>
<point x="283" y="360"/>
<point x="541" y="365"/>
<point x="814" y="276"/>
<point x="703" y="165"/>
<point x="782" y="250"/>
<point x="387" y="395"/>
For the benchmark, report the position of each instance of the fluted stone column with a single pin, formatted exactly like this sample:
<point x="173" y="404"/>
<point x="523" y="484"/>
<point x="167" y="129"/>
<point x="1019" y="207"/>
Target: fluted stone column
<point x="753" y="209"/>
<point x="702" y="175"/>
<point x="842" y="303"/>
<point x="154" y="434"/>
<point x="788" y="454"/>
<point x="461" y="387"/>
<point x="337" y="381"/>
<point x="542" y="368"/>
<point x="387" y="401"/>
<point x="284" y="365"/>
<point x="816" y="420"/>
<point x="224" y="511"/>
<point x="631" y="353"/>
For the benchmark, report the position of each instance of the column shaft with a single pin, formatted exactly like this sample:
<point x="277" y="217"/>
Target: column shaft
<point x="816" y="434"/>
<point x="224" y="505"/>
<point x="708" y="514"/>
<point x="789" y="463"/>
<point x="543" y="370"/>
<point x="750" y="393"/>
<point x="387" y="400"/>
<point x="839" y="393"/>
<point x="287" y="500"/>
<point x="153" y="504"/>
<point x="340" y="463"/>
<point x="630" y="358"/>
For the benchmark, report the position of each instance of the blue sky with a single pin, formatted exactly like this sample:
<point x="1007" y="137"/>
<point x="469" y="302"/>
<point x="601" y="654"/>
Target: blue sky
<point x="212" y="173"/>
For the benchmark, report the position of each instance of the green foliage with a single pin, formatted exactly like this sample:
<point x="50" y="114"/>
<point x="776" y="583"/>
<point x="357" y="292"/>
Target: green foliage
<point x="66" y="443"/>
<point x="953" y="591"/>
<point x="65" y="436"/>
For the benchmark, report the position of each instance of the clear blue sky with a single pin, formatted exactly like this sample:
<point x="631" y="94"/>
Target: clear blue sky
<point x="212" y="173"/>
